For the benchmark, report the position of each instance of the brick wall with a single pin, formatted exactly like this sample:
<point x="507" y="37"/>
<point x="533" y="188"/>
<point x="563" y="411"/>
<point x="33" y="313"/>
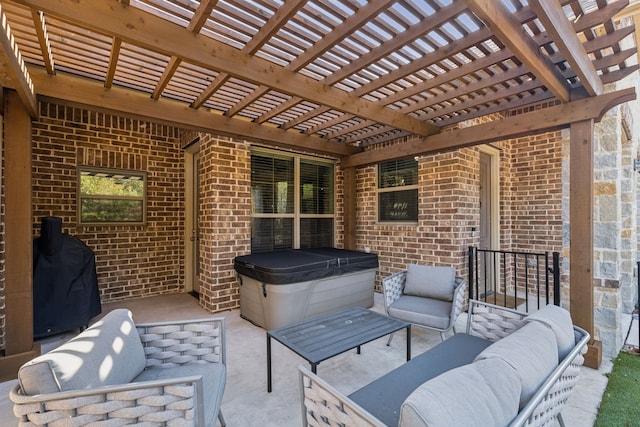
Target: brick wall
<point x="225" y="218"/>
<point x="132" y="260"/>
<point x="530" y="206"/>
<point x="448" y="209"/>
<point x="534" y="196"/>
<point x="136" y="261"/>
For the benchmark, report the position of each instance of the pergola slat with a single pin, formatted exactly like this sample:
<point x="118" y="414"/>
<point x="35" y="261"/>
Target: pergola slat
<point x="334" y="68"/>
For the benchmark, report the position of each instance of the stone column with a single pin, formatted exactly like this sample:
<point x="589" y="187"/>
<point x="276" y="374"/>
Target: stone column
<point x="608" y="233"/>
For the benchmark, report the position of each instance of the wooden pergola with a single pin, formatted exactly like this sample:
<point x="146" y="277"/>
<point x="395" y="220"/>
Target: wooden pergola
<point x="336" y="77"/>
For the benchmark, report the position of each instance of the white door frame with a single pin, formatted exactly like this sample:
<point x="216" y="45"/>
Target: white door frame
<point x="494" y="220"/>
<point x="190" y="153"/>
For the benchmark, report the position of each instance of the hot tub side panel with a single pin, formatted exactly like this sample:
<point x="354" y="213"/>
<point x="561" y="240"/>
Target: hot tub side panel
<point x="273" y="306"/>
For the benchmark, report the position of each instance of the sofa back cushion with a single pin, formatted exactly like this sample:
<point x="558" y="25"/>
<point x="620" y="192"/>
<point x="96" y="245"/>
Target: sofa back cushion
<point x="429" y="281"/>
<point x="531" y="351"/>
<point x="559" y="321"/>
<point x="108" y="352"/>
<point x="485" y="393"/>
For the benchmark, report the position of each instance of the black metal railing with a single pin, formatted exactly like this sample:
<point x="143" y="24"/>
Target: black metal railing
<point x="514" y="279"/>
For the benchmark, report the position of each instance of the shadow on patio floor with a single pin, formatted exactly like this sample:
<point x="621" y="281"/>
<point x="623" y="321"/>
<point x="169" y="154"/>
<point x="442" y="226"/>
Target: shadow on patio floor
<point x="246" y="401"/>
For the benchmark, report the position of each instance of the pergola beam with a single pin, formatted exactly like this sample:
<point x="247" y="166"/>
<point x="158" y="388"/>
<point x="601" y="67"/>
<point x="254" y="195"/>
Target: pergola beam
<point x="555" y="21"/>
<point x="144" y="29"/>
<point x="136" y="104"/>
<point x="271" y="27"/>
<point x="43" y="39"/>
<point x="510" y="32"/>
<point x="198" y="20"/>
<point x="548" y="119"/>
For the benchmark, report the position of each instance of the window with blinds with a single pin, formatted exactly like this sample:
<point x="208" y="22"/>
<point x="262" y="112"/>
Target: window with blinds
<point x="398" y="191"/>
<point x="292" y="202"/>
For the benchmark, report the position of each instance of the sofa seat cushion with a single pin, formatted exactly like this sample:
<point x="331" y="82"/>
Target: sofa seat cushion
<point x="559" y="320"/>
<point x="108" y="352"/>
<point x="422" y="311"/>
<point x="384" y="396"/>
<point x="531" y="351"/>
<point x="484" y="393"/>
<point x="214" y="377"/>
<point x="429" y="281"/>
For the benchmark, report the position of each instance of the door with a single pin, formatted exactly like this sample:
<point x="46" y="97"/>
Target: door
<point x="195" y="231"/>
<point x="487" y="261"/>
<point x="485" y="201"/>
<point x="192" y="220"/>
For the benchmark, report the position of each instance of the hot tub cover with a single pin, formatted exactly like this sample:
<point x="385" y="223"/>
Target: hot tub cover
<point x="300" y="265"/>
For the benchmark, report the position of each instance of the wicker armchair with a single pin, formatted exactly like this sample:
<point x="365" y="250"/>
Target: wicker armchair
<point x="436" y="306"/>
<point x="177" y="379"/>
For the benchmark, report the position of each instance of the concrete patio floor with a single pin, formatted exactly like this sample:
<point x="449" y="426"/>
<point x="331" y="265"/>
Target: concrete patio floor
<point x="246" y="401"/>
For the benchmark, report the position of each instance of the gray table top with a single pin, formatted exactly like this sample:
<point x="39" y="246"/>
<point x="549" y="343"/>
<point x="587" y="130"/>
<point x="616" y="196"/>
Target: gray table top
<point x="327" y="336"/>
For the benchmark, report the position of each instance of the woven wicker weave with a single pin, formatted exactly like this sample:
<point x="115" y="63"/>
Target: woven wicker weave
<point x="171" y="344"/>
<point x="324" y="406"/>
<point x="176" y="402"/>
<point x="393" y="288"/>
<point x="492" y="322"/>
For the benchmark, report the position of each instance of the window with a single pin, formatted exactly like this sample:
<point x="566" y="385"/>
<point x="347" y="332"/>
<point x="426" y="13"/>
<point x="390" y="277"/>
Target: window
<point x="111" y="196"/>
<point x="292" y="202"/>
<point x="398" y="191"/>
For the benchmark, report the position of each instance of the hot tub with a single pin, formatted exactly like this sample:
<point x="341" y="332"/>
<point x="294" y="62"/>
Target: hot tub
<point x="280" y="288"/>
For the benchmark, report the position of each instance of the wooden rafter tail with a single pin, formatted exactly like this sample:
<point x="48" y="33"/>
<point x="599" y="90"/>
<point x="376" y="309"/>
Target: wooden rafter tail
<point x="10" y="55"/>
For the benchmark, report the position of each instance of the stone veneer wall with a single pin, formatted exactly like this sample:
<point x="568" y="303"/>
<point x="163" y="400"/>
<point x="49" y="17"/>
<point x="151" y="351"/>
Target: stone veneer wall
<point x="615" y="228"/>
<point x="132" y="260"/>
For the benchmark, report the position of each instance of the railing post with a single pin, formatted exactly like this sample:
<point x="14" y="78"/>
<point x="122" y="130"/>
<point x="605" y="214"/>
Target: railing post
<point x="471" y="270"/>
<point x="546" y="278"/>
<point x="556" y="278"/>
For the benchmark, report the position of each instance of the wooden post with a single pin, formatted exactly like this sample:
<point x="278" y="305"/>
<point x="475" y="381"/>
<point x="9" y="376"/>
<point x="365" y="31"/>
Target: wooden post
<point x="19" y="346"/>
<point x="581" y="233"/>
<point x="349" y="208"/>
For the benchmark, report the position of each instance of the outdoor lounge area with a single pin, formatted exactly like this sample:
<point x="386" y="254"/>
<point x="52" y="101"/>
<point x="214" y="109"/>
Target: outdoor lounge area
<point x="246" y="401"/>
<point x="271" y="161"/>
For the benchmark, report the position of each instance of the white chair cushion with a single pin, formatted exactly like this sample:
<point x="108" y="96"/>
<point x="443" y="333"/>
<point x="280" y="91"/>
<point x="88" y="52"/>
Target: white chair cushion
<point x="430" y="281"/>
<point x="531" y="351"/>
<point x="559" y="320"/>
<point x="108" y="352"/>
<point x="484" y="393"/>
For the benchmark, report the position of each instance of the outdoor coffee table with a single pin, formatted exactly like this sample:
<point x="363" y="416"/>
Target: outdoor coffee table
<point x="324" y="337"/>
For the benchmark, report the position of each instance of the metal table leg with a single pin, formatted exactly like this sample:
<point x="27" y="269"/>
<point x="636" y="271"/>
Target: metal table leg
<point x="268" y="363"/>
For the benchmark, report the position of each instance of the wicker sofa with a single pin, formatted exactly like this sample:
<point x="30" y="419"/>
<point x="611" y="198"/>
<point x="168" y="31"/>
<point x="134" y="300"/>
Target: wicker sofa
<point x="116" y="372"/>
<point x="507" y="369"/>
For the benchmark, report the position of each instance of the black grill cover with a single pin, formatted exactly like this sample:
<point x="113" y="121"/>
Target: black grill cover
<point x="65" y="283"/>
